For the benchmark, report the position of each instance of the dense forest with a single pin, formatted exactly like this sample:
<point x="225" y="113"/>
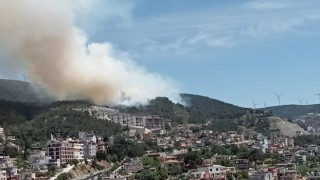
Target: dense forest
<point x="307" y="139"/>
<point x="18" y="112"/>
<point x="197" y="109"/>
<point x="293" y="111"/>
<point x="64" y="122"/>
<point x="211" y="108"/>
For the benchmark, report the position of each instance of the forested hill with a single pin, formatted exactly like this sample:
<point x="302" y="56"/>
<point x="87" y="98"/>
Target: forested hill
<point x="20" y="91"/>
<point x="212" y="108"/>
<point x="197" y="109"/>
<point x="18" y="112"/>
<point x="292" y="111"/>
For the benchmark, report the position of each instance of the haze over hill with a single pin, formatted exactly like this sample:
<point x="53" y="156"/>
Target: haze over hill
<point x="19" y="101"/>
<point x="21" y="91"/>
<point x="293" y="111"/>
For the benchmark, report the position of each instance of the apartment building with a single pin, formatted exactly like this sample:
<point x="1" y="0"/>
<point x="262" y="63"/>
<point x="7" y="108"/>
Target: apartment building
<point x="90" y="150"/>
<point x="7" y="168"/>
<point x="65" y="150"/>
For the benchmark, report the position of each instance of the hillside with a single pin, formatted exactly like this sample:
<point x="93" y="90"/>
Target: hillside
<point x="198" y="109"/>
<point x="20" y="109"/>
<point x="18" y="112"/>
<point x="211" y="108"/>
<point x="20" y="91"/>
<point x="64" y="121"/>
<point x="293" y="111"/>
<point x="285" y="127"/>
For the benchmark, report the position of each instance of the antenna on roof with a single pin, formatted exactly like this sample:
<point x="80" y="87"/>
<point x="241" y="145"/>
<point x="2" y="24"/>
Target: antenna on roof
<point x="265" y="105"/>
<point x="279" y="98"/>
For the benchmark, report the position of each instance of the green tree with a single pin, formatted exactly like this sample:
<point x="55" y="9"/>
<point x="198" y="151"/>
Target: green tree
<point x="303" y="170"/>
<point x="101" y="156"/>
<point x="74" y="162"/>
<point x="226" y="162"/>
<point x="175" y="170"/>
<point x="52" y="168"/>
<point x="167" y="126"/>
<point x="193" y="159"/>
<point x="242" y="175"/>
<point x="162" y="173"/>
<point x="10" y="151"/>
<point x="148" y="174"/>
<point x="112" y="158"/>
<point x="150" y="161"/>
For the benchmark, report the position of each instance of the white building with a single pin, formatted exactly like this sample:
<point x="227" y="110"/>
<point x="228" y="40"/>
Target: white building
<point x="2" y="135"/>
<point x="211" y="172"/>
<point x="78" y="151"/>
<point x="261" y="176"/>
<point x="90" y="150"/>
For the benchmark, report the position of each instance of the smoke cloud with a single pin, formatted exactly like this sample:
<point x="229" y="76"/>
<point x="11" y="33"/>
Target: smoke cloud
<point x="41" y="36"/>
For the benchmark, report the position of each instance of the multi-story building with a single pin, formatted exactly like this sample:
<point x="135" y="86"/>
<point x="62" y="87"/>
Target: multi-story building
<point x="2" y="135"/>
<point x="127" y="119"/>
<point x="87" y="136"/>
<point x="242" y="164"/>
<point x="78" y="150"/>
<point x="153" y="122"/>
<point x="65" y="151"/>
<point x="7" y="168"/>
<point x="90" y="150"/>
<point x="101" y="145"/>
<point x="90" y="144"/>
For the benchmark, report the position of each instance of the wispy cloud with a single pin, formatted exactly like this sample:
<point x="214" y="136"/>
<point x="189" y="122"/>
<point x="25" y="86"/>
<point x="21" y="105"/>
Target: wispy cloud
<point x="279" y="26"/>
<point x="225" y="27"/>
<point x="212" y="41"/>
<point x="266" y="5"/>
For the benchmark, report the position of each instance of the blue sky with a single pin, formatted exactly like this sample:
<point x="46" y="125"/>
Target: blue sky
<point x="234" y="51"/>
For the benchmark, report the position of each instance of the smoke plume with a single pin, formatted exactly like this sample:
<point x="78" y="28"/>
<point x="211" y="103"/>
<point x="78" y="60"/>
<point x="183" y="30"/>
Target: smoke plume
<point x="41" y="36"/>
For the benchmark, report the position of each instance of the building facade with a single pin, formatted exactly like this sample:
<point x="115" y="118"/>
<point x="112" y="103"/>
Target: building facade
<point x="65" y="151"/>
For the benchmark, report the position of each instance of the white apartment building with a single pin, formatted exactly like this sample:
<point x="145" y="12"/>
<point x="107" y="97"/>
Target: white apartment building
<point x="90" y="150"/>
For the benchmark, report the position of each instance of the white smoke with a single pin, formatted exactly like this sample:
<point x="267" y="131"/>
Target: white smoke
<point x="41" y="36"/>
